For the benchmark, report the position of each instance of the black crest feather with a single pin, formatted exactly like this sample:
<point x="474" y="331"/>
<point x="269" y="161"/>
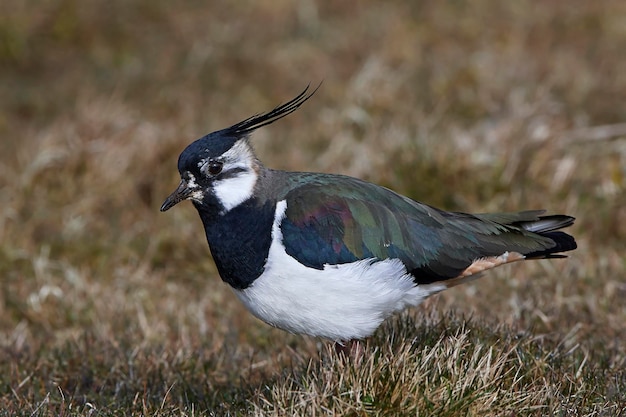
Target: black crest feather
<point x="263" y="119"/>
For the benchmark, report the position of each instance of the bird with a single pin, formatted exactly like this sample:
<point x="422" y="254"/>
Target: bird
<point x="334" y="256"/>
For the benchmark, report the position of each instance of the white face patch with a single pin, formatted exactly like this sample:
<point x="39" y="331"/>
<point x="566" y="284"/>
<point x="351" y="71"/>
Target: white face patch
<point x="197" y="194"/>
<point x="191" y="181"/>
<point x="234" y="190"/>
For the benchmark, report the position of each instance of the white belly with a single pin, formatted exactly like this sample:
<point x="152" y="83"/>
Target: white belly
<point x="340" y="302"/>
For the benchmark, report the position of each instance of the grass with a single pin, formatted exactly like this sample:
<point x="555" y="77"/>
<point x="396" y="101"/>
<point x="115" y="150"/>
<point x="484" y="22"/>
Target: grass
<point x="108" y="307"/>
<point x="446" y="365"/>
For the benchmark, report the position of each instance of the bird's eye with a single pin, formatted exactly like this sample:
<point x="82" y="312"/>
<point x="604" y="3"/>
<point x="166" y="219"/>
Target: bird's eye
<point x="215" y="167"/>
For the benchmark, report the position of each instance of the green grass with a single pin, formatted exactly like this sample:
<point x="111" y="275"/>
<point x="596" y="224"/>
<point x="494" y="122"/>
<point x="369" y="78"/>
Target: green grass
<point x="108" y="307"/>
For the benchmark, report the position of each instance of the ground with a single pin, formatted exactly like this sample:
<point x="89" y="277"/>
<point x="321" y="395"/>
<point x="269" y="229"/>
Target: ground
<point x="109" y="307"/>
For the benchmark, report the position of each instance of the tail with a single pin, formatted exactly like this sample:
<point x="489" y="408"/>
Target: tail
<point x="538" y="231"/>
<point x="548" y="227"/>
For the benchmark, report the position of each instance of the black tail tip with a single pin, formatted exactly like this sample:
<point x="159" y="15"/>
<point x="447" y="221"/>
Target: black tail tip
<point x="562" y="243"/>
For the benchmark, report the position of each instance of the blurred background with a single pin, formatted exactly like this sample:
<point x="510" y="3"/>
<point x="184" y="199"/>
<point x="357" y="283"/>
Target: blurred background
<point x="469" y="106"/>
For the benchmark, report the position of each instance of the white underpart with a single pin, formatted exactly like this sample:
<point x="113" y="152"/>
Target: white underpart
<point x="340" y="302"/>
<point x="235" y="190"/>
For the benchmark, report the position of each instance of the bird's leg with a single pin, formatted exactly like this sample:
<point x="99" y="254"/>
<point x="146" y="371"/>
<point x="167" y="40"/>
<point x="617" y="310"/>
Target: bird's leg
<point x="352" y="349"/>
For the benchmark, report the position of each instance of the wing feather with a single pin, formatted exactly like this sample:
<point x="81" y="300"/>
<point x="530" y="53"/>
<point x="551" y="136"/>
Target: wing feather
<point x="335" y="219"/>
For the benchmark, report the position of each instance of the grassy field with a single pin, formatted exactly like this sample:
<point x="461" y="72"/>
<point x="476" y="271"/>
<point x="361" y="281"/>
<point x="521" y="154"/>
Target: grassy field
<point x="108" y="307"/>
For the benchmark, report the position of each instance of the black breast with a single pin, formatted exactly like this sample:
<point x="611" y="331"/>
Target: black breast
<point x="240" y="240"/>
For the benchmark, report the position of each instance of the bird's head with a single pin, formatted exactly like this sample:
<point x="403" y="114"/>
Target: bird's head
<point x="220" y="170"/>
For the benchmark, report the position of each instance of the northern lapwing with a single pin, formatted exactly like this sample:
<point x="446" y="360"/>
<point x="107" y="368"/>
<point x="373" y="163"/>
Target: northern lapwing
<point x="331" y="255"/>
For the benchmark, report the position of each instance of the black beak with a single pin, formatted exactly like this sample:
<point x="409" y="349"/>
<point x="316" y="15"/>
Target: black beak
<point x="181" y="193"/>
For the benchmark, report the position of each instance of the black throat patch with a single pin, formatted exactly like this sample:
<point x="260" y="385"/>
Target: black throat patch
<point x="240" y="240"/>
